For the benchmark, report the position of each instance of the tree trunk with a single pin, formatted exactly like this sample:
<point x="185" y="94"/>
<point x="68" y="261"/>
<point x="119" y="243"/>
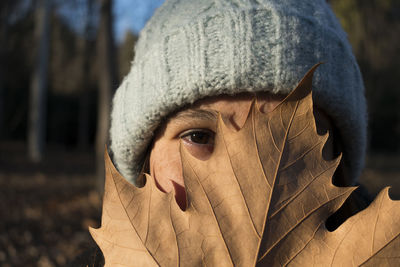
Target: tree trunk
<point x="37" y="109"/>
<point x="107" y="82"/>
<point x="83" y="120"/>
<point x="3" y="38"/>
<point x="84" y="99"/>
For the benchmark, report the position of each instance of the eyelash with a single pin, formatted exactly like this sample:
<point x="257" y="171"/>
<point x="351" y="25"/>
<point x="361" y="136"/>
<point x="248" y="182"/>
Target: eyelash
<point x="191" y="132"/>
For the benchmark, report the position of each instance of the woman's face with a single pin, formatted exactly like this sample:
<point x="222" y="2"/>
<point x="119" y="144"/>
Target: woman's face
<point x="196" y="127"/>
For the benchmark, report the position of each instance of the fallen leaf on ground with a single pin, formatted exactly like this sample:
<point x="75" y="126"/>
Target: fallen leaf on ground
<point x="261" y="199"/>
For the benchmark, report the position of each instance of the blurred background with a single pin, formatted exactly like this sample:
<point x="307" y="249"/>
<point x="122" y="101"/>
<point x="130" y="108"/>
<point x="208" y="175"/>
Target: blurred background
<point x="60" y="63"/>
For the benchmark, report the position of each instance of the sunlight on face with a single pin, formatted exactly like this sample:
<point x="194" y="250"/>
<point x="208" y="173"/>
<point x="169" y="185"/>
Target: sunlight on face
<point x="196" y="127"/>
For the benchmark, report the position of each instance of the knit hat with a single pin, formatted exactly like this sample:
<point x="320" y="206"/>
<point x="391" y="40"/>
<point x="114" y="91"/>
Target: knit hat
<point x="191" y="49"/>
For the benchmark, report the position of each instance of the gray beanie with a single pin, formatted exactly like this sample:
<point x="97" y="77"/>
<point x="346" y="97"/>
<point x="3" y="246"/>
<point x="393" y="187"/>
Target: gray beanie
<point x="191" y="49"/>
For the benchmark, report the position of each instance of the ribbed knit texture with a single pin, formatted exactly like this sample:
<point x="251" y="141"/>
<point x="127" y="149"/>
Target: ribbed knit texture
<point x="192" y="49"/>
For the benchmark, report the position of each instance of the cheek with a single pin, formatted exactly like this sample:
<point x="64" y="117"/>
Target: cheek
<point x="166" y="166"/>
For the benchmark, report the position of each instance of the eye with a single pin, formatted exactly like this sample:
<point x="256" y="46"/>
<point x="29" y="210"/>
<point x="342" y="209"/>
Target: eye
<point x="199" y="142"/>
<point x="199" y="136"/>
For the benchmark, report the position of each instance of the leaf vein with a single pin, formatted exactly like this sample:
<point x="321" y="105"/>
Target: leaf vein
<point x="299" y="223"/>
<point x="302" y="190"/>
<point x="214" y="215"/>
<point x="127" y="214"/>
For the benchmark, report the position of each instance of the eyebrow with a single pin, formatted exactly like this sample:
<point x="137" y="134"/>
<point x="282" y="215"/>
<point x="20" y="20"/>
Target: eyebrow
<point x="201" y="114"/>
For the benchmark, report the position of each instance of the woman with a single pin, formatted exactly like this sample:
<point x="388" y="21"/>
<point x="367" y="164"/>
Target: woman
<point x="219" y="54"/>
<point x="197" y="58"/>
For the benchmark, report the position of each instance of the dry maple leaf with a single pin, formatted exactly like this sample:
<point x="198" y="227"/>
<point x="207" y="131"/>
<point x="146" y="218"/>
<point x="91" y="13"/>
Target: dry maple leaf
<point x="261" y="199"/>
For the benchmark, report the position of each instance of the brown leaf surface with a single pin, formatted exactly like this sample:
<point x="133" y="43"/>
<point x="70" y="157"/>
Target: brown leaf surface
<point x="261" y="199"/>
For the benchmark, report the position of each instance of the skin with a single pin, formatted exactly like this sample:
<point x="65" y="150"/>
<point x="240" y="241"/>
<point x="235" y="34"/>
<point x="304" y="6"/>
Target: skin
<point x="196" y="126"/>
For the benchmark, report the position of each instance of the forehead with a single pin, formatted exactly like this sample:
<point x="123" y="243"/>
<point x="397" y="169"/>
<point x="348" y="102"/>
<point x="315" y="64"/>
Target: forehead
<point x="233" y="109"/>
<point x="226" y="104"/>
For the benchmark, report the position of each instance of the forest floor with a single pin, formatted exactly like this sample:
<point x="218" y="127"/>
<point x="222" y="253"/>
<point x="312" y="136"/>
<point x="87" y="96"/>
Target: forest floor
<point x="46" y="209"/>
